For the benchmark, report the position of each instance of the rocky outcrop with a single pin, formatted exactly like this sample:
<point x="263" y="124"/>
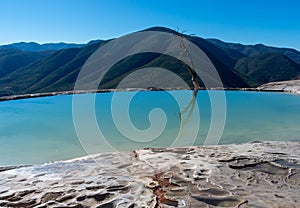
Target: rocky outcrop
<point x="292" y="86"/>
<point x="245" y="175"/>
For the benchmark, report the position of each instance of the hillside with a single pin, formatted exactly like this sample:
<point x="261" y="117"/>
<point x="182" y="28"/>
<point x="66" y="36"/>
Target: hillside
<point x="56" y="72"/>
<point x="13" y="59"/>
<point x="48" y="71"/>
<point x="269" y="67"/>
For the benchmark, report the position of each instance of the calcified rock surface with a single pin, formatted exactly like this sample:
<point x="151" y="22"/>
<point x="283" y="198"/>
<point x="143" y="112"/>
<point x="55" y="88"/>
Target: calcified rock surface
<point x="292" y="86"/>
<point x="246" y="175"/>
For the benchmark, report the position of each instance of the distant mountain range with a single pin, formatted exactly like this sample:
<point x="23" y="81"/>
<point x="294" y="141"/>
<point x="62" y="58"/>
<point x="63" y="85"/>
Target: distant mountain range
<point x="33" y="47"/>
<point x="32" y="68"/>
<point x="252" y="50"/>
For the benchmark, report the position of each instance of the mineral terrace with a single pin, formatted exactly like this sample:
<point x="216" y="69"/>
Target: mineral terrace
<point x="247" y="175"/>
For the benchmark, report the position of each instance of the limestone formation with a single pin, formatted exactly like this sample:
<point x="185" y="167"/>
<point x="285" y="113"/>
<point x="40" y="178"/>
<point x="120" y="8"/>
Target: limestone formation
<point x="292" y="86"/>
<point x="246" y="175"/>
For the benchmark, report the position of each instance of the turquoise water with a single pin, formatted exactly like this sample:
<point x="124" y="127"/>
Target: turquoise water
<point x="40" y="130"/>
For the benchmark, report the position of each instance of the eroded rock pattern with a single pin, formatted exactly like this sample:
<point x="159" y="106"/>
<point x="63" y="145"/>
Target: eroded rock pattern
<point x="247" y="175"/>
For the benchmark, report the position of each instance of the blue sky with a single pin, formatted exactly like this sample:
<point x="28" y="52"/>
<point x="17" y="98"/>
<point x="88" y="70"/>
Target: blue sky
<point x="271" y="22"/>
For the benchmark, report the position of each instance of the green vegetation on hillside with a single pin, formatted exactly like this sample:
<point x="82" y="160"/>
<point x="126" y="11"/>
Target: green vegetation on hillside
<point x="24" y="72"/>
<point x="270" y="67"/>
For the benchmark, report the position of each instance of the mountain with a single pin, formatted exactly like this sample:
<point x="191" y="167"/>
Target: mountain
<point x="259" y="64"/>
<point x="34" y="47"/>
<point x="56" y="72"/>
<point x="48" y="71"/>
<point x="95" y="41"/>
<point x="251" y="50"/>
<point x="13" y="59"/>
<point x="268" y="67"/>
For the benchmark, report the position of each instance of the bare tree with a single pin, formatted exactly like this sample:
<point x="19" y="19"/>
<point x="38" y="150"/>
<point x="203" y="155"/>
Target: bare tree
<point x="187" y="52"/>
<point x="190" y="107"/>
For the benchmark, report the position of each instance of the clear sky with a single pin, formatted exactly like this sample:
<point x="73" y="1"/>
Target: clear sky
<point x="271" y="22"/>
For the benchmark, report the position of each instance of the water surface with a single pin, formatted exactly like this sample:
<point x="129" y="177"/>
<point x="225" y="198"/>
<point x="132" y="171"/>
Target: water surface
<point x="40" y="130"/>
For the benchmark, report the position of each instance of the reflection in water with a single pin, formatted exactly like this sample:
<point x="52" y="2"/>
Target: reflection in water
<point x="188" y="109"/>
